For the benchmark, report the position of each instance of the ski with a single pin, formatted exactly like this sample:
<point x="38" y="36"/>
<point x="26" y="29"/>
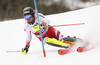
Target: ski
<point x="86" y="48"/>
<point x="78" y="49"/>
<point x="63" y="51"/>
<point x="68" y="50"/>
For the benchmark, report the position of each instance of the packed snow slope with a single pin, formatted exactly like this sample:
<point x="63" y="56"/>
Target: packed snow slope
<point x="13" y="38"/>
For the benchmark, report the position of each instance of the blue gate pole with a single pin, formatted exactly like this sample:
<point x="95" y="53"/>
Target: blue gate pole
<point x="39" y="28"/>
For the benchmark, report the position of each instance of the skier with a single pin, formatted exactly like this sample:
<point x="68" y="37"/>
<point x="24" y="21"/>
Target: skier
<point x="50" y="35"/>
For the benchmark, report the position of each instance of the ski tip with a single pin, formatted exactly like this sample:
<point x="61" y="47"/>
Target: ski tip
<point x="62" y="51"/>
<point x="80" y="49"/>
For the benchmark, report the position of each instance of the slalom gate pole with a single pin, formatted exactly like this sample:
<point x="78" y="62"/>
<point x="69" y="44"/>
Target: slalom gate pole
<point x="39" y="28"/>
<point x="66" y="25"/>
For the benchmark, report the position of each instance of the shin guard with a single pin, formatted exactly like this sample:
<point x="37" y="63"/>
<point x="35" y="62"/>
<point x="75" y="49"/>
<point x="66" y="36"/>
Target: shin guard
<point x="56" y="43"/>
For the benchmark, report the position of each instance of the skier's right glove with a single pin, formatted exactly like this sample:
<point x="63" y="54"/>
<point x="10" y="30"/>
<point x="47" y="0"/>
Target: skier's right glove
<point x="25" y="50"/>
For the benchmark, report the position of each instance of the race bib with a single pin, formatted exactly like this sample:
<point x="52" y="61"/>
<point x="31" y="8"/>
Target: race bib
<point x="36" y="28"/>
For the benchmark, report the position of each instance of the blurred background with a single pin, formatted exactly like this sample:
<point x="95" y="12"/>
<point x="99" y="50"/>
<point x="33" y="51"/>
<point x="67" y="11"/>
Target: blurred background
<point x="12" y="9"/>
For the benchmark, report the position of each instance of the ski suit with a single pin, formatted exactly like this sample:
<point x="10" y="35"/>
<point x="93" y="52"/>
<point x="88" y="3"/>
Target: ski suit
<point x="47" y="32"/>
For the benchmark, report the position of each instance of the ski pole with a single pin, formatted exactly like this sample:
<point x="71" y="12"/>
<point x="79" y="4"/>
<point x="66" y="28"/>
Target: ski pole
<point x="66" y="25"/>
<point x="39" y="28"/>
<point x="14" y="51"/>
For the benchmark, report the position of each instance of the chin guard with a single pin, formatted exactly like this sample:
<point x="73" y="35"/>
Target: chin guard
<point x="31" y="22"/>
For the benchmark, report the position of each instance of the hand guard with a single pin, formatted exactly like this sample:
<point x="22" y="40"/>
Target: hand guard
<point x="25" y="50"/>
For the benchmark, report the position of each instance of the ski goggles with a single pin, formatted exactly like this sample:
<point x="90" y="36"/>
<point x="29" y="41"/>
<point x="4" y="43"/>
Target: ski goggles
<point x="28" y="16"/>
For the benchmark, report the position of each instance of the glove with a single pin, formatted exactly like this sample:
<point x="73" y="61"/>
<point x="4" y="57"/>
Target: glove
<point x="25" y="50"/>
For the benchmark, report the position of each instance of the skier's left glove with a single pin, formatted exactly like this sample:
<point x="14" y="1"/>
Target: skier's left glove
<point x="25" y="50"/>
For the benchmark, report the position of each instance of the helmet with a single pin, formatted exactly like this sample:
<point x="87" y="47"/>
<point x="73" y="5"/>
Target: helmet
<point x="28" y="11"/>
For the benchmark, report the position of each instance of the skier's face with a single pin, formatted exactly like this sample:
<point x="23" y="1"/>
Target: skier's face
<point x="30" y="20"/>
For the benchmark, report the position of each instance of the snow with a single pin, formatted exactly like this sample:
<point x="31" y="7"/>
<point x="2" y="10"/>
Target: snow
<point x="12" y="38"/>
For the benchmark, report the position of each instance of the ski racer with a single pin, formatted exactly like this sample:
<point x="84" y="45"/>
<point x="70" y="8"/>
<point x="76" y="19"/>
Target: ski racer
<point x="50" y="35"/>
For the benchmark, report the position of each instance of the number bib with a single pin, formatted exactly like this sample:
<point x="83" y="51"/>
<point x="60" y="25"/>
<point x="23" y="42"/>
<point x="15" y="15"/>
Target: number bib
<point x="36" y="28"/>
